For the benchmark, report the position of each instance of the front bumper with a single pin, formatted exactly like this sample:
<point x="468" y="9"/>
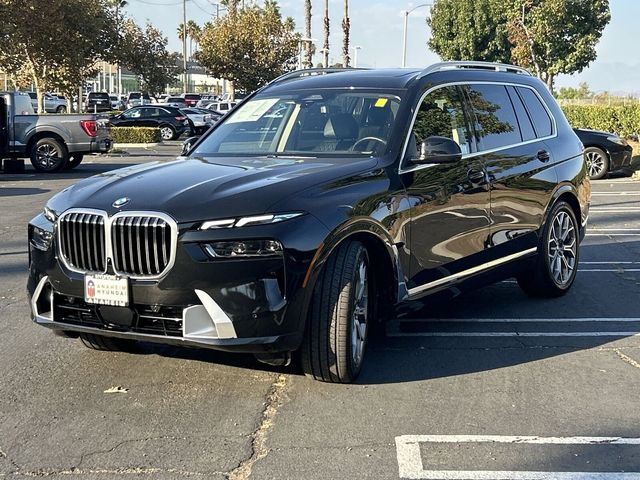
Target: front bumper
<point x="621" y="159"/>
<point x="246" y="305"/>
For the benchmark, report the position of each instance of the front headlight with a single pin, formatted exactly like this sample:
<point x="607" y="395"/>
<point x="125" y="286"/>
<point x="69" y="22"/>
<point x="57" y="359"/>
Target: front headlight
<point x="253" y="220"/>
<point x="243" y="248"/>
<point x="618" y="140"/>
<point x="50" y="214"/>
<point x="41" y="238"/>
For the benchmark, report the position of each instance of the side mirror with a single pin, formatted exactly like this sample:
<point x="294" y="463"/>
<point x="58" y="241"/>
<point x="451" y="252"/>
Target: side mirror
<point x="438" y="150"/>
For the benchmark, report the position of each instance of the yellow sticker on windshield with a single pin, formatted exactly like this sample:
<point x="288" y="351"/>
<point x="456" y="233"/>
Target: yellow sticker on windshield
<point x="381" y="102"/>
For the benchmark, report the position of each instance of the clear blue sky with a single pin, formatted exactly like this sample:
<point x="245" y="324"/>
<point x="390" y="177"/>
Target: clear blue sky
<point x="376" y="26"/>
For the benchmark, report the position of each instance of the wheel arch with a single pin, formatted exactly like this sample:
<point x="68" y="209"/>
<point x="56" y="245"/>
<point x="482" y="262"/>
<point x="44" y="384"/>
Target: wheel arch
<point x="383" y="257"/>
<point x="568" y="194"/>
<point x="44" y="134"/>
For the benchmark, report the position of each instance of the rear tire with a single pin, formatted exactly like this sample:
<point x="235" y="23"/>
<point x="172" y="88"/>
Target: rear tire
<point x="48" y="155"/>
<point x="556" y="264"/>
<point x="74" y="161"/>
<point x="334" y="344"/>
<point x="61" y="109"/>
<point x="167" y="132"/>
<point x="597" y="162"/>
<point x="107" y="344"/>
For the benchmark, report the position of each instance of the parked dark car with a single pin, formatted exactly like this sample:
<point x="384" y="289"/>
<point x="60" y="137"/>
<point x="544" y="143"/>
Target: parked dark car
<point x="604" y="152"/>
<point x="170" y="120"/>
<point x="98" y="102"/>
<point x="313" y="209"/>
<point x="177" y="102"/>
<point x="191" y="99"/>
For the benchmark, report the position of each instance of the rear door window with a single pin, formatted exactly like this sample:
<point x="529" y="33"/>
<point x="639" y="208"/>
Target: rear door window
<point x="539" y="114"/>
<point x="495" y="118"/>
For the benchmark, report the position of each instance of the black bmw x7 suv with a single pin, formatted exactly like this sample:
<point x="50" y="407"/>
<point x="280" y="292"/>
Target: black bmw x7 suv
<point x="306" y="215"/>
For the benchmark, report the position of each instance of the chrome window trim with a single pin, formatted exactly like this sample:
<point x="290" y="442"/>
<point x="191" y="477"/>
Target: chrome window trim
<point x="470" y="271"/>
<point x="108" y="221"/>
<point x="481" y="152"/>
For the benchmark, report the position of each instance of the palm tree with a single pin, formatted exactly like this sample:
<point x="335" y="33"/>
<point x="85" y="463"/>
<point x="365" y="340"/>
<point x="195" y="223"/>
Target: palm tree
<point x="308" y="50"/>
<point x="346" y="25"/>
<point x="193" y="33"/>
<point x="325" y="47"/>
<point x="181" y="32"/>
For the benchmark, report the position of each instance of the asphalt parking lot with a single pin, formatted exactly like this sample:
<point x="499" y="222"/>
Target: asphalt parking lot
<point x="493" y="385"/>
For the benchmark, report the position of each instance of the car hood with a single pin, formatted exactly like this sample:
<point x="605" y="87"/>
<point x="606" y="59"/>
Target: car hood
<point x="193" y="189"/>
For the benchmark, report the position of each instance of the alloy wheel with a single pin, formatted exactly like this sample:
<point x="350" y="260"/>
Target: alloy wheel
<point x="48" y="156"/>
<point x="595" y="164"/>
<point x="563" y="248"/>
<point x="166" y="133"/>
<point x="360" y="314"/>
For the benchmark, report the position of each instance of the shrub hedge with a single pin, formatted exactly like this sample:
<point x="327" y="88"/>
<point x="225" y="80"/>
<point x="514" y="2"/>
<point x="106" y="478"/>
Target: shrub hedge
<point x="135" y="135"/>
<point x="623" y="120"/>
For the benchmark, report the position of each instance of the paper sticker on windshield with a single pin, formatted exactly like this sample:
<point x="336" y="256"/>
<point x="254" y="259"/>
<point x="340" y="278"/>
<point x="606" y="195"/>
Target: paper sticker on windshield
<point x="253" y="110"/>
<point x="381" y="102"/>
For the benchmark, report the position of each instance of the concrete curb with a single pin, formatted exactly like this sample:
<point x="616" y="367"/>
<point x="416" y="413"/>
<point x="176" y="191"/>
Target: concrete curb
<point x="136" y="145"/>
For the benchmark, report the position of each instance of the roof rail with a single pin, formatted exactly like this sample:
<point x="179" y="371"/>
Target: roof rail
<point x="497" y="67"/>
<point x="310" y="72"/>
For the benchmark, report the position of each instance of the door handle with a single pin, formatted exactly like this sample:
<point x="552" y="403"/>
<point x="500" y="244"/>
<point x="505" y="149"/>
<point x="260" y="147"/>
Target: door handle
<point x="476" y="176"/>
<point x="543" y="156"/>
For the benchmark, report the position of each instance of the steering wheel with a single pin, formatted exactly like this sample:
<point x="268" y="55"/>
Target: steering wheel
<point x="368" y="139"/>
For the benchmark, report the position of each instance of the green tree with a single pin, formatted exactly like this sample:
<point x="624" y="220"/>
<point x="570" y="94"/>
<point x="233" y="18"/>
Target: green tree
<point x="556" y="36"/>
<point x="470" y="30"/>
<point x="144" y="52"/>
<point x="249" y="46"/>
<point x="32" y="45"/>
<point x="570" y="93"/>
<point x="549" y="37"/>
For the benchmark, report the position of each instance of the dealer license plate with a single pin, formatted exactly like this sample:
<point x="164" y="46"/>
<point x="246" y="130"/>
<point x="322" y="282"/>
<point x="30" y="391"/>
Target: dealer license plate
<point x="106" y="290"/>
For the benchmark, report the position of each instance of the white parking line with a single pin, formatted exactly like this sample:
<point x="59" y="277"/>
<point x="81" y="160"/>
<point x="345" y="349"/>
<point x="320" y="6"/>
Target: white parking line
<point x="605" y="209"/>
<point x="410" y="458"/>
<point x="609" y="262"/>
<point x="614" y="194"/>
<point x="611" y="270"/>
<point x="514" y="334"/>
<point x="608" y="234"/>
<point x="524" y="320"/>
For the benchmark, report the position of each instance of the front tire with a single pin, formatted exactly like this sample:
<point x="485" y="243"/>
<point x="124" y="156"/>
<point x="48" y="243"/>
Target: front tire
<point x="336" y="337"/>
<point x="48" y="155"/>
<point x="107" y="344"/>
<point x="556" y="264"/>
<point x="61" y="109"/>
<point x="597" y="162"/>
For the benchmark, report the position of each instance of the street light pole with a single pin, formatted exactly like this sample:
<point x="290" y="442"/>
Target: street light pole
<point x="355" y="55"/>
<point x="406" y="14"/>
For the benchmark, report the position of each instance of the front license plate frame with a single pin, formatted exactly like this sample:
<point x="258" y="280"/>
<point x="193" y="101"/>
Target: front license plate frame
<point x="103" y="289"/>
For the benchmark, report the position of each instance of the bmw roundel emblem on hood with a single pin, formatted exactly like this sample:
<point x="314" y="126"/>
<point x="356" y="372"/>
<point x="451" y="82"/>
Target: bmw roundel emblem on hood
<point x="121" y="202"/>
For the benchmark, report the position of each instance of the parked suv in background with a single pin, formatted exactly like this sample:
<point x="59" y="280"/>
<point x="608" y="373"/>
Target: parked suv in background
<point x="52" y="103"/>
<point x="135" y="99"/>
<point x="312" y="209"/>
<point x="191" y="99"/>
<point x="98" y="102"/>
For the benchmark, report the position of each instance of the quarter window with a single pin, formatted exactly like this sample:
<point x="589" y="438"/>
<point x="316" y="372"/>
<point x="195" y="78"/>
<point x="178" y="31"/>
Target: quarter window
<point x="441" y="114"/>
<point x="539" y="115"/>
<point x="526" y="127"/>
<point x="496" y="123"/>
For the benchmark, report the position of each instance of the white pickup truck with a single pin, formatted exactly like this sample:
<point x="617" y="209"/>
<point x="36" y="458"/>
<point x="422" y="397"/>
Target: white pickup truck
<point x="52" y="142"/>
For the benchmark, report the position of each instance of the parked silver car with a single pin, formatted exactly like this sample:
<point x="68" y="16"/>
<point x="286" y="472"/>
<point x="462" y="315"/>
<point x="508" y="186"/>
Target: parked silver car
<point x="52" y="103"/>
<point x="201" y="119"/>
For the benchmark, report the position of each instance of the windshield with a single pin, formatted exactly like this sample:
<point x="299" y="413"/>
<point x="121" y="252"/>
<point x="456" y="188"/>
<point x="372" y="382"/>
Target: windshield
<point x="318" y="122"/>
